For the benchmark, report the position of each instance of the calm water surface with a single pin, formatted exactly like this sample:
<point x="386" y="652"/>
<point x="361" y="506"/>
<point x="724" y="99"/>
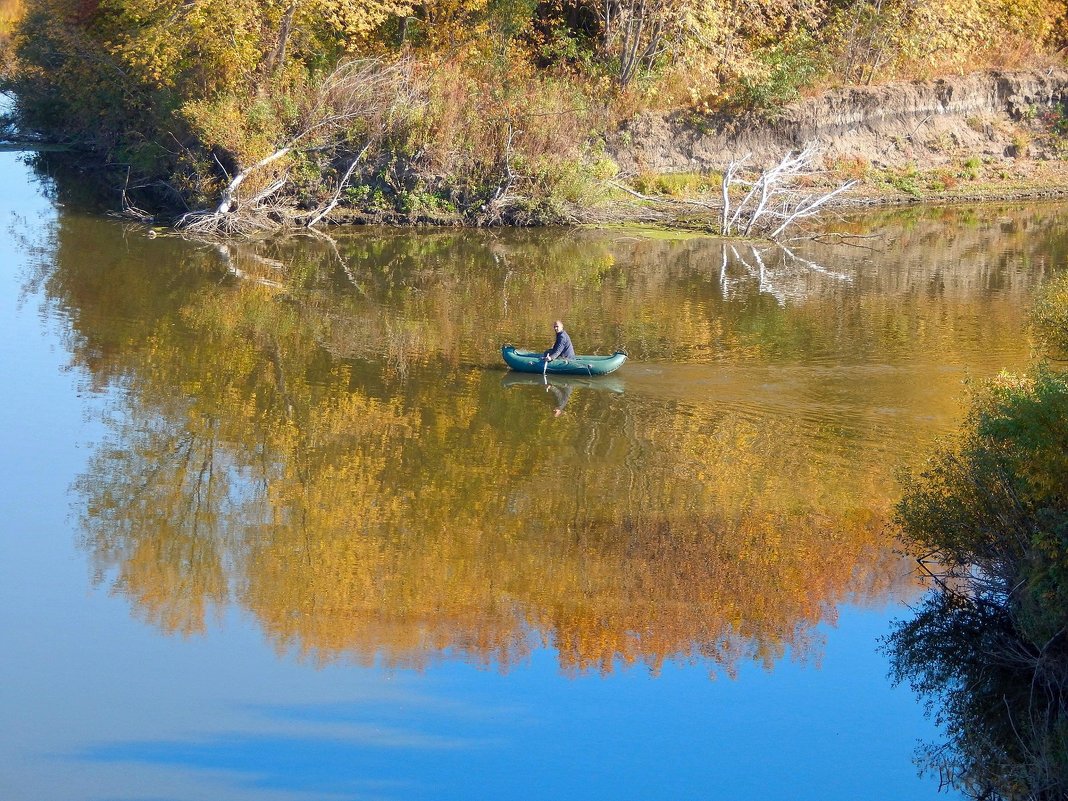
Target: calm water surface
<point x="278" y="525"/>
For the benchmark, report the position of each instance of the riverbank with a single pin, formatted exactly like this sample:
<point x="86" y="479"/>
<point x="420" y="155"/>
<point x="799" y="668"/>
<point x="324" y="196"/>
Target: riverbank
<point x="981" y="137"/>
<point x="485" y="115"/>
<point x="990" y="136"/>
<point x="1021" y="180"/>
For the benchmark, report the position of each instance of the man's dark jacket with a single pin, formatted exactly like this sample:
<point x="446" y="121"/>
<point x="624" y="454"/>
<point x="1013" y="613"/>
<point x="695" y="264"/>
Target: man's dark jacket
<point x="562" y="348"/>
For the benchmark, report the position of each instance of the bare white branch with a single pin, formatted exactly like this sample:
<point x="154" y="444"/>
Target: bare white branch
<point x="340" y="188"/>
<point x="227" y="201"/>
<point x="760" y="203"/>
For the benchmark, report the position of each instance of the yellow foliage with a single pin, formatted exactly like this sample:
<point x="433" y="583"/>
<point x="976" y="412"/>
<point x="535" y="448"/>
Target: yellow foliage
<point x="11" y="13"/>
<point x="900" y="38"/>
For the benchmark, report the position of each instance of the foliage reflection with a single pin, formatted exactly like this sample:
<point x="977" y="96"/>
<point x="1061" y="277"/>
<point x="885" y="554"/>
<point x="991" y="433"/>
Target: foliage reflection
<point x="307" y="430"/>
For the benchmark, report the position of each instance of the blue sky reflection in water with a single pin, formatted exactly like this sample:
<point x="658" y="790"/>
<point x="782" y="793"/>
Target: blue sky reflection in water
<point x="528" y="735"/>
<point x="99" y="704"/>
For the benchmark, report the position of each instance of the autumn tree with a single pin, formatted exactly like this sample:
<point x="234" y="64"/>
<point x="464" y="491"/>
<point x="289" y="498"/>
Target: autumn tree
<point x="881" y="39"/>
<point x="100" y="70"/>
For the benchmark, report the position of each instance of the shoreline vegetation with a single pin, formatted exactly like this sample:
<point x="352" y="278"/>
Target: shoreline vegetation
<point x="265" y="114"/>
<point x="987" y="519"/>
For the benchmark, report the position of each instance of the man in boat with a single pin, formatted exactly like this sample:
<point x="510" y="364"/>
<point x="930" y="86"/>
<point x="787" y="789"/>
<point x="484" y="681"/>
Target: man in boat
<point x="562" y="348"/>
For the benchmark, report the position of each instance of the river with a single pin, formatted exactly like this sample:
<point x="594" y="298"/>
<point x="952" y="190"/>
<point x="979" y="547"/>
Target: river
<point x="278" y="525"/>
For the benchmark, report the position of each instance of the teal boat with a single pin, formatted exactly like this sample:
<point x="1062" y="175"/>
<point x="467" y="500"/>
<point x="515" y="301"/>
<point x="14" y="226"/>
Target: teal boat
<point x="528" y="361"/>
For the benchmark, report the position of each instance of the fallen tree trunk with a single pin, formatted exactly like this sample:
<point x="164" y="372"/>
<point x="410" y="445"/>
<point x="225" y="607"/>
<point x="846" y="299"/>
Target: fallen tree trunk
<point x="340" y="188"/>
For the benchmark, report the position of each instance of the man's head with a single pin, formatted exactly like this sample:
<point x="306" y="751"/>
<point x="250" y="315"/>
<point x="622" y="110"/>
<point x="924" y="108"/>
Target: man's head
<point x="558" y="326"/>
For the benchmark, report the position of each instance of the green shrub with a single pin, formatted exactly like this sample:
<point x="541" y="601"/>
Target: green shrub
<point x="971" y="169"/>
<point x="906" y="179"/>
<point x="783" y="70"/>
<point x="989" y="514"/>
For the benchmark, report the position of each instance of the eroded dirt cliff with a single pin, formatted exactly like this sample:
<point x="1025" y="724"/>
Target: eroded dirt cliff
<point x="995" y="115"/>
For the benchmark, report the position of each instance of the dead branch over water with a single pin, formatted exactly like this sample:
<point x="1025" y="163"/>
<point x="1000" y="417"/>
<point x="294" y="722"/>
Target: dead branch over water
<point x="774" y="197"/>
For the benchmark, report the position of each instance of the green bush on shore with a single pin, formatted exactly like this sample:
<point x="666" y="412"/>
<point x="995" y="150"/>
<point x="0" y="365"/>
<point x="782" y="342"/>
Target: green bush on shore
<point x="989" y="517"/>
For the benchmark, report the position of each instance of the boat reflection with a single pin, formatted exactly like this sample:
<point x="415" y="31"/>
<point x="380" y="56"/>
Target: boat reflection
<point x="559" y="387"/>
<point x="608" y="383"/>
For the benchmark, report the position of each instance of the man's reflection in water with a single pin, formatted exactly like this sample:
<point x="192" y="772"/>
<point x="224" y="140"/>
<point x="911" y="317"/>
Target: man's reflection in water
<point x="562" y="394"/>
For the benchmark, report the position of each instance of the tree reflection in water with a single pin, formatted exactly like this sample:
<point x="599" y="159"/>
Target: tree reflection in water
<point x="323" y="448"/>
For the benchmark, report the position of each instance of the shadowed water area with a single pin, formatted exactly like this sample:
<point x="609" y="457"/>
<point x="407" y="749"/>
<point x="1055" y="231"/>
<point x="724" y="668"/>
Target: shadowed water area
<point x="316" y="542"/>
